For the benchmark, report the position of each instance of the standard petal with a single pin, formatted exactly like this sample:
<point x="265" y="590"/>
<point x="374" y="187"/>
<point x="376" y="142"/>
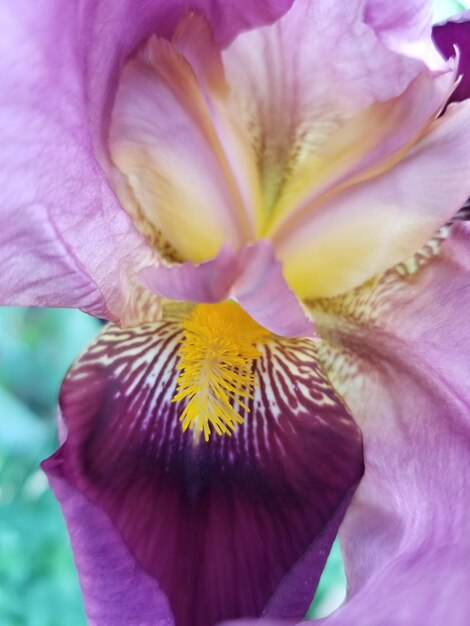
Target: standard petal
<point x="295" y="89"/>
<point x="370" y="142"/>
<point x="399" y="351"/>
<point x="164" y="141"/>
<point x="368" y="227"/>
<point x="222" y="525"/>
<point x="64" y="240"/>
<point x="450" y="35"/>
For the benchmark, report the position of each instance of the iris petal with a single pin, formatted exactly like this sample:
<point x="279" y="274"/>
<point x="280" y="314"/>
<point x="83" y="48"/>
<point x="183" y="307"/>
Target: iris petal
<point x="64" y="238"/>
<point x="224" y="525"/>
<point x="364" y="229"/>
<point x="365" y="145"/>
<point x="105" y="563"/>
<point x="398" y="349"/>
<point x="167" y="139"/>
<point x="295" y="88"/>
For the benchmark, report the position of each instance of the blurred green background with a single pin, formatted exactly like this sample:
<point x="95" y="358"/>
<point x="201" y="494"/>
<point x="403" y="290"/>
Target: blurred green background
<point x="38" y="582"/>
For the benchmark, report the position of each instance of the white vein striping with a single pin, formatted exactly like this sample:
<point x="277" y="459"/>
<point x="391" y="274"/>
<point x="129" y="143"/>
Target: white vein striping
<point x="290" y="386"/>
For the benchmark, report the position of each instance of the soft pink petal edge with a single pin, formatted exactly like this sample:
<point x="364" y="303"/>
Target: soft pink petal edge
<point x="405" y="27"/>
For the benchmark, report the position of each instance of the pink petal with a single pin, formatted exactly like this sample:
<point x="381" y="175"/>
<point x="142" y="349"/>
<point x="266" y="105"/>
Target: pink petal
<point x="406" y="535"/>
<point x="299" y="80"/>
<point x="64" y="239"/>
<point x="210" y="281"/>
<point x="262" y="291"/>
<point x="224" y="527"/>
<point x="368" y="143"/>
<point x="252" y="276"/>
<point x="368" y="227"/>
<point x="405" y="27"/>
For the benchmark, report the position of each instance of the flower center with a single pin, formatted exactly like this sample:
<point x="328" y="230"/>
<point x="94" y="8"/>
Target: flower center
<point x="217" y="354"/>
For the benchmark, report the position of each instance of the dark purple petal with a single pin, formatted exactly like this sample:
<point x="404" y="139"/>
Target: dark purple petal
<point x="228" y="528"/>
<point x="263" y="622"/>
<point x="105" y="564"/>
<point x="448" y="36"/>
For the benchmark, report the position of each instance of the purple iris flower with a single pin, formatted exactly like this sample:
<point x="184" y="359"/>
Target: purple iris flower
<point x="261" y="198"/>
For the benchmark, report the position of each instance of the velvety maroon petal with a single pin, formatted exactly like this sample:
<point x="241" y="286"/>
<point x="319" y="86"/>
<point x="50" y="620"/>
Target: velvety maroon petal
<point x="226" y="525"/>
<point x="449" y="35"/>
<point x="64" y="239"/>
<point x="105" y="564"/>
